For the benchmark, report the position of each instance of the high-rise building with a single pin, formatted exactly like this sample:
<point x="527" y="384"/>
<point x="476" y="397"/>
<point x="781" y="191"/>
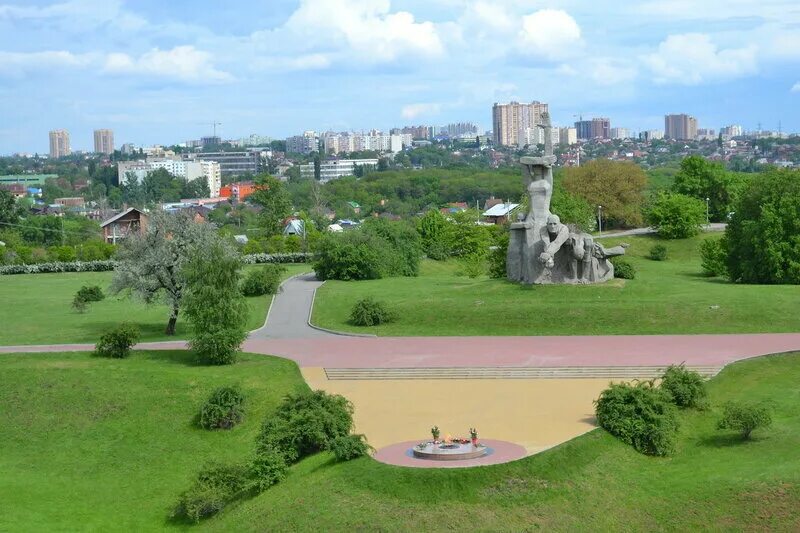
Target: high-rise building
<point x="583" y="129"/>
<point x="568" y="136"/>
<point x="511" y="121"/>
<point x="620" y="133"/>
<point x="651" y="135"/>
<point x="303" y="144"/>
<point x="597" y="128"/>
<point x="59" y="143"/>
<point x="103" y="142"/>
<point x="681" y="127"/>
<point x="733" y="130"/>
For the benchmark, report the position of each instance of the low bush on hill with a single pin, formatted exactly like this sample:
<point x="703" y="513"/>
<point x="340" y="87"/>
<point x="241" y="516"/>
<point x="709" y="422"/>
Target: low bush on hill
<point x="686" y="387"/>
<point x="118" y="342"/>
<point x="658" y="253"/>
<point x="623" y="269"/>
<point x="714" y="257"/>
<point x="640" y="415"/>
<point x="745" y="417"/>
<point x="215" y="487"/>
<point x="265" y="280"/>
<point x="223" y="409"/>
<point x="349" y="447"/>
<point x="368" y="312"/>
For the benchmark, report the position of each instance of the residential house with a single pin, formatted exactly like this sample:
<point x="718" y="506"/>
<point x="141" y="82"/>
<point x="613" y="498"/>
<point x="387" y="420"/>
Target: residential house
<point x="119" y="226"/>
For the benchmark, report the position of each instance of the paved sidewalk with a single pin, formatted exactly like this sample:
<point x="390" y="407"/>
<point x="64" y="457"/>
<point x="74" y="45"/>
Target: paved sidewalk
<point x="289" y="314"/>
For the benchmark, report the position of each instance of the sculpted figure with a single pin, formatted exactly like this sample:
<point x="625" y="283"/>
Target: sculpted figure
<point x="554" y="234"/>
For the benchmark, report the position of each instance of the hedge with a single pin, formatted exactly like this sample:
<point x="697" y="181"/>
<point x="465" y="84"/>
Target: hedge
<point x="109" y="264"/>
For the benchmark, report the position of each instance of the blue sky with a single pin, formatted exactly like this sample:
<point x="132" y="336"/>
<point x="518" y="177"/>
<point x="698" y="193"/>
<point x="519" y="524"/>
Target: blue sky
<point x="160" y="72"/>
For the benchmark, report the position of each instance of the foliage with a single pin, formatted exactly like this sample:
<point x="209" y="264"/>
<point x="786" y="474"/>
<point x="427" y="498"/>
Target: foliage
<point x="658" y="252"/>
<point x="214" y="303"/>
<point x="79" y="304"/>
<point x="215" y="487"/>
<point x="675" y="216"/>
<point x="640" y="415"/>
<point x="498" y="256"/>
<point x="296" y="257"/>
<point x="617" y="186"/>
<point x="223" y="409"/>
<point x="622" y="268"/>
<point x="472" y="265"/>
<point x="91" y="293"/>
<point x="10" y="211"/>
<point x="701" y="179"/>
<point x="304" y="423"/>
<point x="745" y="417"/>
<point x="265" y="280"/>
<point x="714" y="257"/>
<point x="368" y="312"/>
<point x="378" y="249"/>
<point x="348" y="447"/>
<point x="763" y="235"/>
<point x="118" y="342"/>
<point x="267" y="468"/>
<point x="436" y="235"/>
<point x="274" y="200"/>
<point x="150" y="263"/>
<point x="687" y="387"/>
<point x="571" y="208"/>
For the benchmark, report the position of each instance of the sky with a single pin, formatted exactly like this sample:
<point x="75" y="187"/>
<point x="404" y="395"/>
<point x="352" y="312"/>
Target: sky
<point x="161" y="72"/>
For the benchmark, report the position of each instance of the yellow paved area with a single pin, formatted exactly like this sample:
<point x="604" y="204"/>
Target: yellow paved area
<point x="534" y="413"/>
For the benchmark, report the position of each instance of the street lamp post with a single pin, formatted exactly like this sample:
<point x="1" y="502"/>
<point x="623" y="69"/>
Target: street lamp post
<point x="707" y="223"/>
<point x="599" y="219"/>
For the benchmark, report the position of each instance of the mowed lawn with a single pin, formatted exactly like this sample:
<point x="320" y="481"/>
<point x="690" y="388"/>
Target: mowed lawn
<point x="36" y="309"/>
<point x="667" y="297"/>
<point x="93" y="444"/>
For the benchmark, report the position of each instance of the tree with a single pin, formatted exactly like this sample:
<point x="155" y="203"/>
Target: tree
<point x="10" y="211"/>
<point x="150" y="264"/>
<point x="676" y="216"/>
<point x="701" y="179"/>
<point x="617" y="186"/>
<point x="762" y="235"/>
<point x="437" y="235"/>
<point x="745" y="417"/>
<point x="383" y="164"/>
<point x="213" y="303"/>
<point x="276" y="205"/>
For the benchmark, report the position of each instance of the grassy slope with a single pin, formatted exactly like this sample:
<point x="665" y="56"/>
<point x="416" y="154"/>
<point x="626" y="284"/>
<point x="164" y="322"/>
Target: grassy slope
<point x="591" y="483"/>
<point x="666" y="297"/>
<point x="107" y="445"/>
<point x="79" y="455"/>
<point x="35" y="309"/>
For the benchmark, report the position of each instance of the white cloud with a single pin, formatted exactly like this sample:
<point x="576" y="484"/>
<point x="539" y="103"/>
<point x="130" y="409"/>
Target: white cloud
<point x="184" y="63"/>
<point x="796" y="87"/>
<point x="77" y="15"/>
<point x="17" y="62"/>
<point x="608" y="71"/>
<point x="412" y="111"/>
<point x="550" y="33"/>
<point x="692" y="59"/>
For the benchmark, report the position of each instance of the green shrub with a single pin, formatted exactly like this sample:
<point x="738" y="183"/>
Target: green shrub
<point x="223" y="409"/>
<point x="745" y="417"/>
<point x="714" y="256"/>
<point x="686" y="387"/>
<point x="264" y="280"/>
<point x="676" y="216"/>
<point x="304" y="424"/>
<point x="216" y="486"/>
<point x="498" y="256"/>
<point x="349" y="447"/>
<point x="268" y="468"/>
<point x="658" y="253"/>
<point x="368" y="312"/>
<point x="623" y="269"/>
<point x="472" y="265"/>
<point x="117" y="343"/>
<point x="640" y="415"/>
<point x="79" y="304"/>
<point x="90" y="293"/>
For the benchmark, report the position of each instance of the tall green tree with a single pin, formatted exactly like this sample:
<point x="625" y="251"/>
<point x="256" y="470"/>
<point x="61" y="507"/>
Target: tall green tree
<point x="213" y="303"/>
<point x="150" y="264"/>
<point x="618" y="186"/>
<point x="10" y="210"/>
<point x="676" y="216"/>
<point x="275" y="203"/>
<point x="701" y="179"/>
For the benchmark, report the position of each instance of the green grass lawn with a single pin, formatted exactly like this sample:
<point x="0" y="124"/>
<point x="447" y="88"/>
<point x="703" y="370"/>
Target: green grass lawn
<point x="667" y="297"/>
<point x="36" y="309"/>
<point x="94" y="444"/>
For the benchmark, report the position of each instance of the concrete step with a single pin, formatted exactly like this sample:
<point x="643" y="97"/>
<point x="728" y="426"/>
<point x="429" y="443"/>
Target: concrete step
<point x="565" y="372"/>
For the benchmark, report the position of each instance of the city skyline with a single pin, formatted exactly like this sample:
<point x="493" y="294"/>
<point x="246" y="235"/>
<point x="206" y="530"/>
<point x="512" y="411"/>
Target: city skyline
<point x="157" y="74"/>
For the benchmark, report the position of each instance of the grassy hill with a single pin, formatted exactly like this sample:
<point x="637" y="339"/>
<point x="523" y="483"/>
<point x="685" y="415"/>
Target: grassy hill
<point x="36" y="309"/>
<point x="92" y="444"/>
<point x="667" y="297"/>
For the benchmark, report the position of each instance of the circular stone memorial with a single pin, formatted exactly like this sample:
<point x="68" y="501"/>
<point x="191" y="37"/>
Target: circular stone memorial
<point x="449" y="451"/>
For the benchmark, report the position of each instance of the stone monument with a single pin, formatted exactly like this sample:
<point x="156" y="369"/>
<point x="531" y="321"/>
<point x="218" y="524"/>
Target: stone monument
<point x="541" y="249"/>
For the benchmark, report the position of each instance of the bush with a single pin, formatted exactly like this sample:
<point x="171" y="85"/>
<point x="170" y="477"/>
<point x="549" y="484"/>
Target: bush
<point x="304" y="424"/>
<point x="368" y="312"/>
<point x="745" y="417"/>
<point x="686" y="387"/>
<point x="658" y="253"/>
<point x="117" y="343"/>
<point x="714" y="255"/>
<point x="472" y="266"/>
<point x="676" y="216"/>
<point x="640" y="415"/>
<point x="223" y="409"/>
<point x="349" y="447"/>
<point x="79" y="304"/>
<point x="623" y="269"/>
<point x="265" y="280"/>
<point x="268" y="468"/>
<point x="762" y="233"/>
<point x="498" y="256"/>
<point x="215" y="487"/>
<point x="49" y="268"/>
<point x="90" y="293"/>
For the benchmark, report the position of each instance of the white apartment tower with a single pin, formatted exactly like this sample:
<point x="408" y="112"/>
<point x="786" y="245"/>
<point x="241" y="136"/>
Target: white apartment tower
<point x="511" y="122"/>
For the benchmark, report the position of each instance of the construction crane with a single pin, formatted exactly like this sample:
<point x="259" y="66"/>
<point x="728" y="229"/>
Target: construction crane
<point x="214" y="125"/>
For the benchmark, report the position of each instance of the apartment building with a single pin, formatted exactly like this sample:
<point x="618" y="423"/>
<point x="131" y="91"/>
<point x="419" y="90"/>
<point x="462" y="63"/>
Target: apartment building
<point x="511" y="122"/>
<point x="59" y="144"/>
